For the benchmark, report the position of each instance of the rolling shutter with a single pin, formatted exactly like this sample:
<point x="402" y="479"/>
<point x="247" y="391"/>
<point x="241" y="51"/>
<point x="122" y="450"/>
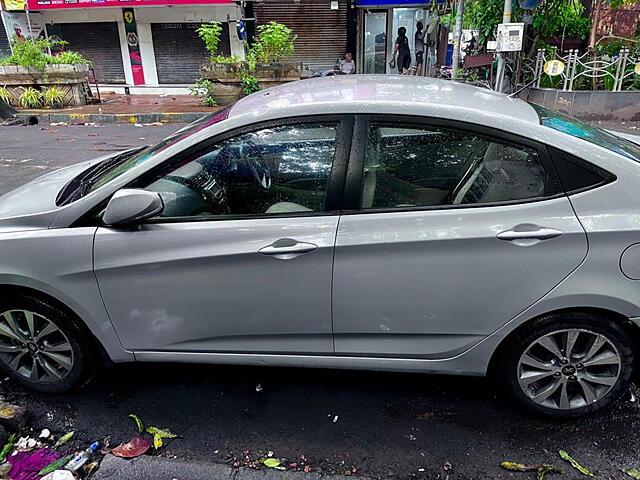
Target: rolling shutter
<point x="180" y="51"/>
<point x="5" y="49"/>
<point x="322" y="32"/>
<point x="100" y="43"/>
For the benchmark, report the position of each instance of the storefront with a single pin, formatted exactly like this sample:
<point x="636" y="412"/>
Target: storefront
<point x="378" y="24"/>
<point x="321" y="27"/>
<point x="142" y="43"/>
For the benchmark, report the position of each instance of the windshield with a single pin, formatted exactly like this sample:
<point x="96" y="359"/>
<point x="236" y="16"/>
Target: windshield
<point x="576" y="128"/>
<point x="150" y="152"/>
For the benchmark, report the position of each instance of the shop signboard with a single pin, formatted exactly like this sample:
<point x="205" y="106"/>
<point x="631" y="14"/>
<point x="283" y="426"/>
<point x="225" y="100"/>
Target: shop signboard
<point x="51" y="4"/>
<point x="22" y="28"/>
<point x="13" y="5"/>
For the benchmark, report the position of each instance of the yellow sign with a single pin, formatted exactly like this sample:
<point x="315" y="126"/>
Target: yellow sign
<point x="14" y="4"/>
<point x="637" y="69"/>
<point x="554" y="68"/>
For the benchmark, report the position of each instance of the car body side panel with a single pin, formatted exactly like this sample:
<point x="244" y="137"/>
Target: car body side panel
<point x="431" y="283"/>
<point x="58" y="262"/>
<point x="203" y="286"/>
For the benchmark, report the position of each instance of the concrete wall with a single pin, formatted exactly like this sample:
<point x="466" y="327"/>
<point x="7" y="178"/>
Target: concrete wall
<point x="588" y="105"/>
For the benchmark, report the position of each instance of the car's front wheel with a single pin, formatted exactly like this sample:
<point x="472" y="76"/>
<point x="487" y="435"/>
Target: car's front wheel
<point x="566" y="365"/>
<point x="41" y="345"/>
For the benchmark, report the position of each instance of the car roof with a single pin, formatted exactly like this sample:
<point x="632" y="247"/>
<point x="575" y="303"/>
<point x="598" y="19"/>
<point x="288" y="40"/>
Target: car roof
<point x="401" y="94"/>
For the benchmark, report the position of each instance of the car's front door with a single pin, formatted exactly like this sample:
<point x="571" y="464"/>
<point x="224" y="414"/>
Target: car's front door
<point x="454" y="232"/>
<point x="241" y="258"/>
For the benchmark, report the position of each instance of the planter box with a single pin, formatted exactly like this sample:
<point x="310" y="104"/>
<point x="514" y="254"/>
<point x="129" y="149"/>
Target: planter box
<point x="226" y="87"/>
<point x="70" y="79"/>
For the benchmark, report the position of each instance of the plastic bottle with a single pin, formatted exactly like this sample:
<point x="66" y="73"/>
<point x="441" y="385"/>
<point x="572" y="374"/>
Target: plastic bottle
<point x="81" y="458"/>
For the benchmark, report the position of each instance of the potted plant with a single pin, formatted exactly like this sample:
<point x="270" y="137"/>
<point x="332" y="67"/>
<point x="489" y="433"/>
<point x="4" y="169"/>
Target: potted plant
<point x="226" y="79"/>
<point x="30" y="69"/>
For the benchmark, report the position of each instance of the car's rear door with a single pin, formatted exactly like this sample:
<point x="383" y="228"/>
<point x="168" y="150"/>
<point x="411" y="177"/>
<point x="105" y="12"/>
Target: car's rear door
<point x="241" y="259"/>
<point x="453" y="231"/>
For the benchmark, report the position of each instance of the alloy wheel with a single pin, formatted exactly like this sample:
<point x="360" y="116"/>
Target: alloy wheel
<point x="569" y="368"/>
<point x="34" y="347"/>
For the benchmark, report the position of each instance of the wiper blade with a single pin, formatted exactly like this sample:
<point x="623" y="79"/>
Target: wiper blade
<point x="90" y="177"/>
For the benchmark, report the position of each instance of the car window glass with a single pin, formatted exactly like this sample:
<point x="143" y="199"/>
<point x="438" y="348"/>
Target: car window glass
<point x="424" y="167"/>
<point x="277" y="170"/>
<point x="576" y="175"/>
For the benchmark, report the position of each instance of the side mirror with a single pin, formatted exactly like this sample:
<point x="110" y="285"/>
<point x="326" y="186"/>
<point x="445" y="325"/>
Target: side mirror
<point x="131" y="205"/>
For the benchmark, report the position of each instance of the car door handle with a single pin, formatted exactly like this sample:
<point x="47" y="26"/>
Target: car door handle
<point x="287" y="246"/>
<point x="539" y="234"/>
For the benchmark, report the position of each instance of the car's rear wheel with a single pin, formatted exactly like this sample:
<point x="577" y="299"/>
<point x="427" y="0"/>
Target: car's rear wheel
<point x="566" y="365"/>
<point x="41" y="345"/>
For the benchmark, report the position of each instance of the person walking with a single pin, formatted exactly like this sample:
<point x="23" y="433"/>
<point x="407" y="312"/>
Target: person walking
<point x="403" y="51"/>
<point x="419" y="47"/>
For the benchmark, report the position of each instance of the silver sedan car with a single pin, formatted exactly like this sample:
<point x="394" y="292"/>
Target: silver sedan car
<point x="361" y="222"/>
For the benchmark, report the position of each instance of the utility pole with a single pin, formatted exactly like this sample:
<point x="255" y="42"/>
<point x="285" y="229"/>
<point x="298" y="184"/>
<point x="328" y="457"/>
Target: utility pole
<point x="457" y="37"/>
<point x="506" y="18"/>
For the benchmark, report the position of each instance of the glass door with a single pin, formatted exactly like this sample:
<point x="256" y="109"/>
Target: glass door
<point x="375" y="41"/>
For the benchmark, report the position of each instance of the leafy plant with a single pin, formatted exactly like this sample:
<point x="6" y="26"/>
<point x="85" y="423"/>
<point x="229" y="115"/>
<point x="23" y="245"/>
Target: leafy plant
<point x="32" y="53"/>
<point x="69" y="57"/>
<point x="5" y="95"/>
<point x="203" y="90"/>
<point x="274" y="42"/>
<point x="248" y="83"/>
<point x="210" y="34"/>
<point x="53" y="97"/>
<point x="30" y="98"/>
<point x="565" y="19"/>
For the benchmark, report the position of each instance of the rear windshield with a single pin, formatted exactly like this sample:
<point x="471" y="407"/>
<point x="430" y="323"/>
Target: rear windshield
<point x="576" y="128"/>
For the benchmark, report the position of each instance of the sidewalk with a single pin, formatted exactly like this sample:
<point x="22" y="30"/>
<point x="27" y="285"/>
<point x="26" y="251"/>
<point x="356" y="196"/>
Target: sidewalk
<point x="117" y="108"/>
<point x="149" y="468"/>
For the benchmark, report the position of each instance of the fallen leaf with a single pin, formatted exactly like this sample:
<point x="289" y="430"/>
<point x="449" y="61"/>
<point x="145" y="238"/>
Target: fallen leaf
<point x="136" y="447"/>
<point x="139" y="423"/>
<point x="271" y="462"/>
<point x="158" y="435"/>
<point x="61" y="462"/>
<point x="90" y="467"/>
<point x="7" y="448"/>
<point x="565" y="456"/>
<point x="426" y="416"/>
<point x="64" y="439"/>
<point x="632" y="472"/>
<point x="519" y="467"/>
<point x="544" y="469"/>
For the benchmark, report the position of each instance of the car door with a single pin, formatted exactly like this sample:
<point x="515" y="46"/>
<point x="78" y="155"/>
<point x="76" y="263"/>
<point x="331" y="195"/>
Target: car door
<point x="240" y="260"/>
<point x="452" y="231"/>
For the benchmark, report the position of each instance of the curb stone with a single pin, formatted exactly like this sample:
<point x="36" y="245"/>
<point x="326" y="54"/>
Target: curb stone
<point x="47" y="117"/>
<point x="150" y="468"/>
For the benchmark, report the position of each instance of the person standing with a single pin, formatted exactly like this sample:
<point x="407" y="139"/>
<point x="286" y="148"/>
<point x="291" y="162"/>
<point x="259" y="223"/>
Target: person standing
<point x="419" y="47"/>
<point x="403" y="51"/>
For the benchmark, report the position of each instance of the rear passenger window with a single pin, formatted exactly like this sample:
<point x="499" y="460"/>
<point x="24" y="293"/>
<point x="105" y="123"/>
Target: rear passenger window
<point x="577" y="175"/>
<point x="425" y="167"/>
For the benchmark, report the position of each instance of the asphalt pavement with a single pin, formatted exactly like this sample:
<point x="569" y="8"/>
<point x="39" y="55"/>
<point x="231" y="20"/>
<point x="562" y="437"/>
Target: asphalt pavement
<point x="362" y="424"/>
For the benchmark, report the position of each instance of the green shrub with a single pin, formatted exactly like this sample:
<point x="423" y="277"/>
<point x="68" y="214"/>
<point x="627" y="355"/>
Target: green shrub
<point x="248" y="84"/>
<point x="203" y="90"/>
<point x="53" y="97"/>
<point x="33" y="54"/>
<point x="5" y="95"/>
<point x="274" y="42"/>
<point x="69" y="57"/>
<point x="30" y="98"/>
<point x="210" y="34"/>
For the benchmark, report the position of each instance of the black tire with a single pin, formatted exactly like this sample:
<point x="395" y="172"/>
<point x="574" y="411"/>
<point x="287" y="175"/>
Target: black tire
<point x="508" y="366"/>
<point x="81" y="345"/>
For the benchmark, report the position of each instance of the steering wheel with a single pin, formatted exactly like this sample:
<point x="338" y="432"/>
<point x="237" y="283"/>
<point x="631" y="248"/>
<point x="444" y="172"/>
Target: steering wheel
<point x="260" y="173"/>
